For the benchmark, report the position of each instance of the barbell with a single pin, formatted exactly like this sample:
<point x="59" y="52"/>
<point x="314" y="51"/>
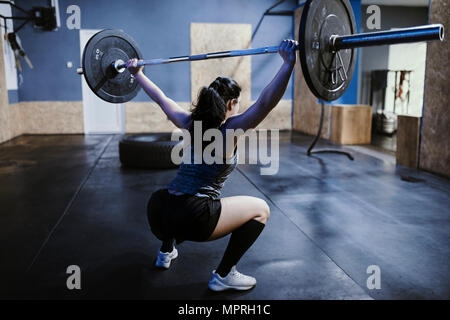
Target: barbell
<point x="327" y="46"/>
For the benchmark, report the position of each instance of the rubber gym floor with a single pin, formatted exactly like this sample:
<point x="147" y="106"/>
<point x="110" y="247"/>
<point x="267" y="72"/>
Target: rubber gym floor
<point x="66" y="200"/>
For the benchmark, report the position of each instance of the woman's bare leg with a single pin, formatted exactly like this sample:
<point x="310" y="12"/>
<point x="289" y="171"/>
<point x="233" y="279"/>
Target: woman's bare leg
<point x="238" y="210"/>
<point x="245" y="218"/>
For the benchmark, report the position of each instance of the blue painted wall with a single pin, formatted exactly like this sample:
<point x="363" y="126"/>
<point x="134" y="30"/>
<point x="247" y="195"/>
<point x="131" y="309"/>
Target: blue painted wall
<point x="162" y="29"/>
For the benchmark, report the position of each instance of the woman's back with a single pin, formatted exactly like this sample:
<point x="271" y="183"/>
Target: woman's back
<point x="202" y="179"/>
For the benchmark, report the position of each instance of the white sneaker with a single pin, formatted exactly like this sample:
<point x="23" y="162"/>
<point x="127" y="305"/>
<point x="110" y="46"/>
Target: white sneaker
<point x="164" y="259"/>
<point x="234" y="280"/>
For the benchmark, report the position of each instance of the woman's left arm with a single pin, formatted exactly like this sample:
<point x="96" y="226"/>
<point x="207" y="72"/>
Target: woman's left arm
<point x="271" y="94"/>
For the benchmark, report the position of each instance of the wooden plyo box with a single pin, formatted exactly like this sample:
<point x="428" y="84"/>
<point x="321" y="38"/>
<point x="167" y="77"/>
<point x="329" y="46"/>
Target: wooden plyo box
<point x="408" y="135"/>
<point x="351" y="124"/>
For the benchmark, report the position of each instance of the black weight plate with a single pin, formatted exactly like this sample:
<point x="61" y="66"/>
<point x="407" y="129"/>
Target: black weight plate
<point x="326" y="75"/>
<point x="101" y="51"/>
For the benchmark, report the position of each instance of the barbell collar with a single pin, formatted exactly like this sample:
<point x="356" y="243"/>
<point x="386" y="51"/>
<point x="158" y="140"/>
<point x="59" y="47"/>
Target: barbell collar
<point x="405" y="35"/>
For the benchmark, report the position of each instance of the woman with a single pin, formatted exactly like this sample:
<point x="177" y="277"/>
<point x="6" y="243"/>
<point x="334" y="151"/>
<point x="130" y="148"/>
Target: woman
<point x="189" y="208"/>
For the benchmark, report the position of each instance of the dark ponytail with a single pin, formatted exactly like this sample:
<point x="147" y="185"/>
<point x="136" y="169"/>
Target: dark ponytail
<point x="211" y="105"/>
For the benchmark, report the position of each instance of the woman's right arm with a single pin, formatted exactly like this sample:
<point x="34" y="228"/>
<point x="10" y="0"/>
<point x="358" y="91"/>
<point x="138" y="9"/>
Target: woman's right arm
<point x="271" y="95"/>
<point x="180" y="117"/>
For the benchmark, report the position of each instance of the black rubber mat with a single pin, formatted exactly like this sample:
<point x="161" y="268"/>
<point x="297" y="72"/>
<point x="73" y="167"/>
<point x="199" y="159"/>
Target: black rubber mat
<point x="73" y="204"/>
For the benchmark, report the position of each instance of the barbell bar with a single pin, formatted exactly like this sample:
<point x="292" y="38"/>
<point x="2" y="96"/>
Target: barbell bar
<point x="327" y="45"/>
<point x="405" y="35"/>
<point x="206" y="56"/>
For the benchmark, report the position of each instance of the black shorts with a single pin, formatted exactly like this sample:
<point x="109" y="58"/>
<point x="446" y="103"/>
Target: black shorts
<point x="182" y="217"/>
